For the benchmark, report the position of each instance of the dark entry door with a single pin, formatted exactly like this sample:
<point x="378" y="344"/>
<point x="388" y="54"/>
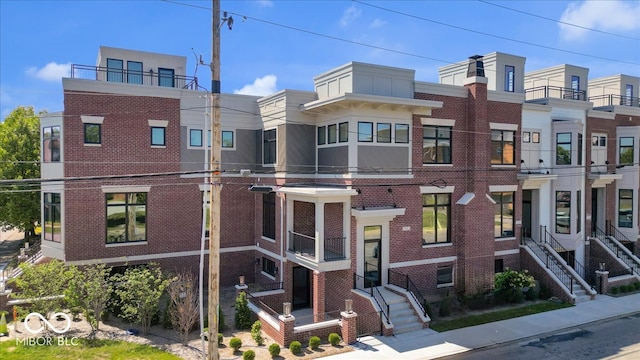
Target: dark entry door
<point x="594" y="209"/>
<point x="526" y="213"/>
<point x="301" y="288"/>
<point x="372" y="255"/>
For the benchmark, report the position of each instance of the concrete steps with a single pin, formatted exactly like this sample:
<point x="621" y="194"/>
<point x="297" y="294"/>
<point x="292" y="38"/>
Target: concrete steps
<point x="401" y="313"/>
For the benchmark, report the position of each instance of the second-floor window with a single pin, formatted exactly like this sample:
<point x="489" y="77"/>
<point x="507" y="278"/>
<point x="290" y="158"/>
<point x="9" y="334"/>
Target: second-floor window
<point x="92" y="133"/>
<point x="269" y="147"/>
<point x="509" y="78"/>
<point x="436" y="214"/>
<point x="502" y="147"/>
<point x="343" y="132"/>
<point x="269" y="215"/>
<point x="322" y="135"/>
<point x="436" y="145"/>
<point x="227" y="139"/>
<point x="625" y="208"/>
<point x="126" y="217"/>
<point x="383" y="133"/>
<point x="626" y="151"/>
<point x="332" y="133"/>
<point x="563" y="149"/>
<point x="52" y="218"/>
<point x="563" y="212"/>
<point x="51" y="144"/>
<point x="402" y="133"/>
<point x="158" y="136"/>
<point x="195" y="138"/>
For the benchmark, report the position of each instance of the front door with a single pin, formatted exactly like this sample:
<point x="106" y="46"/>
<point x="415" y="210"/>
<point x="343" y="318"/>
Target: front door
<point x="301" y="288"/>
<point x="372" y="255"/>
<point x="526" y="213"/>
<point x="594" y="209"/>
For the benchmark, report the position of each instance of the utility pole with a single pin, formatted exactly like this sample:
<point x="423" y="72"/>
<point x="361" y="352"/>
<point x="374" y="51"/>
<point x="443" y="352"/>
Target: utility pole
<point x="214" y="230"/>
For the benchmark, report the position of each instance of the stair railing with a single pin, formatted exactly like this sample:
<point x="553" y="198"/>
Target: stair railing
<point x="615" y="249"/>
<point x="404" y="281"/>
<point x="571" y="259"/>
<point x="552" y="264"/>
<point x="370" y="287"/>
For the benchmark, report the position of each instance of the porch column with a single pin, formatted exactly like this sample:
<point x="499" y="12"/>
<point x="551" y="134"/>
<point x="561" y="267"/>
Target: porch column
<point x="289" y="224"/>
<point x="346" y="227"/>
<point x="319" y="205"/>
<point x="318" y="295"/>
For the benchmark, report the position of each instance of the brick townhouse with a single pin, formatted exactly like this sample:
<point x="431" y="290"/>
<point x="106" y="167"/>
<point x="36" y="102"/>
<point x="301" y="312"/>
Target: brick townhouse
<point x="373" y="180"/>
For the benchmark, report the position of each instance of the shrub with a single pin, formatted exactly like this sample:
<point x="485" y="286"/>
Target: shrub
<point x="511" y="279"/>
<point x="220" y="338"/>
<point x="477" y="301"/>
<point x="428" y="309"/>
<point x="615" y="290"/>
<point x="531" y="294"/>
<point x="274" y="350"/>
<point x="256" y="333"/>
<point x="243" y="313"/>
<point x="624" y="289"/>
<point x="545" y="292"/>
<point x="235" y="343"/>
<point x="314" y="342"/>
<point x="295" y="347"/>
<point x="248" y="355"/>
<point x="636" y="285"/>
<point x="334" y="339"/>
<point x="445" y="307"/>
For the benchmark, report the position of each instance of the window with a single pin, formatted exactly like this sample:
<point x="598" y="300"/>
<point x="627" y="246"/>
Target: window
<point x="383" y="133"/>
<point x="165" y="77"/>
<point x="92" y="133"/>
<point x="503" y="214"/>
<point x="598" y="141"/>
<point x="628" y="95"/>
<point x="575" y="87"/>
<point x="134" y="72"/>
<point x="509" y="75"/>
<point x="269" y="147"/>
<point x="579" y="149"/>
<point x="343" y="132"/>
<point x="535" y="137"/>
<point x="502" y="147"/>
<point x="227" y="139"/>
<point x="526" y="137"/>
<point x="158" y="136"/>
<point x="402" y="133"/>
<point x="322" y="135"/>
<point x="195" y="138"/>
<point x="579" y="211"/>
<point x="268" y="266"/>
<point x="365" y="131"/>
<point x="563" y="149"/>
<point x="126" y="217"/>
<point x="114" y="70"/>
<point x="51" y="228"/>
<point x="498" y="265"/>
<point x="444" y="275"/>
<point x="625" y="208"/>
<point x="332" y="134"/>
<point x="51" y="144"/>
<point x="436" y="212"/>
<point x="626" y="151"/>
<point x="436" y="145"/>
<point x="269" y="215"/>
<point x="563" y="212"/>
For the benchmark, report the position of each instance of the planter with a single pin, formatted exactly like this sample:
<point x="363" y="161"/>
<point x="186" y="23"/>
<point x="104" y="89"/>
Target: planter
<point x="3" y="325"/>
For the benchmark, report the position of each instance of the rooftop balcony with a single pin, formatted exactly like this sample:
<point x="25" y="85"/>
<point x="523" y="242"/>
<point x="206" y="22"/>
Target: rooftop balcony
<point x="555" y="92"/>
<point x="146" y="78"/>
<point x="611" y="100"/>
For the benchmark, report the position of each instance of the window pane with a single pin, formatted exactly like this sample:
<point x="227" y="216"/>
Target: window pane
<point x="526" y="137"/>
<point x="343" y="131"/>
<point x="227" y="139"/>
<point x="383" y="133"/>
<point x="134" y="72"/>
<point x="116" y="221"/>
<point x="435" y="218"/>
<point x="137" y="229"/>
<point x="332" y="135"/>
<point x="625" y="208"/>
<point x="436" y="145"/>
<point x="165" y="77"/>
<point x="114" y="70"/>
<point x="92" y="133"/>
<point x="563" y="212"/>
<point x="373" y="232"/>
<point x="195" y="138"/>
<point x="402" y="133"/>
<point x="269" y="146"/>
<point x="365" y="131"/>
<point x="157" y="136"/>
<point x="269" y="215"/>
<point x="445" y="275"/>
<point x="535" y="137"/>
<point x="322" y="135"/>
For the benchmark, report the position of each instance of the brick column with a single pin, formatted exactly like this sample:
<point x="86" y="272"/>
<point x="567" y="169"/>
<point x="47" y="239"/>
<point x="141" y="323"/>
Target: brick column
<point x="318" y="296"/>
<point x="349" y="327"/>
<point x="602" y="281"/>
<point x="287" y="323"/>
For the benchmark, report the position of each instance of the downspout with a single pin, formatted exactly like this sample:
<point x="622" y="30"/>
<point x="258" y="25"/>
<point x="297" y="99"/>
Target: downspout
<point x="282" y="237"/>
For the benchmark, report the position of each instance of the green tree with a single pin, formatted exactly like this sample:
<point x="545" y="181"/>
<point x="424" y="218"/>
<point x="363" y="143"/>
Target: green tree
<point x="19" y="159"/>
<point x="139" y="290"/>
<point x="90" y="289"/>
<point x="243" y="313"/>
<point x="44" y="284"/>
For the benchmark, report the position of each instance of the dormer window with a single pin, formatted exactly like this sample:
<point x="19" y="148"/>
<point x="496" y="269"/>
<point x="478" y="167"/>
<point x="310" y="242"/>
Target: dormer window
<point x="509" y="77"/>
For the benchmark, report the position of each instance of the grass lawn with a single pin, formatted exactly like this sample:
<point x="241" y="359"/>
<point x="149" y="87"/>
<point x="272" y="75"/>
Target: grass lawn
<point x="85" y="349"/>
<point x="488" y="317"/>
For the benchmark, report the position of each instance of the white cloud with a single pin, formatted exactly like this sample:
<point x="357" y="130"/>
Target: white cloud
<point x="611" y="16"/>
<point x="349" y="15"/>
<point x="265" y="85"/>
<point x="50" y="72"/>
<point x="265" y="3"/>
<point x="377" y="23"/>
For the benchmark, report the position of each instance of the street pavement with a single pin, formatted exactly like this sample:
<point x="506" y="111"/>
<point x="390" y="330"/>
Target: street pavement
<point x="429" y="344"/>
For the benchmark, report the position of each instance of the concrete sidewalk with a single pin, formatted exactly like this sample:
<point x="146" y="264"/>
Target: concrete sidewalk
<point x="429" y="344"/>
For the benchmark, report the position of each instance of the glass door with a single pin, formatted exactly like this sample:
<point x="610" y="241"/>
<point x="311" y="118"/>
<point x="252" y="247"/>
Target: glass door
<point x="372" y="255"/>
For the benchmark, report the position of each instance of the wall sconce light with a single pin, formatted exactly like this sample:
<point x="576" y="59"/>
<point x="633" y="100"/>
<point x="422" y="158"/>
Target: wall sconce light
<point x="592" y="162"/>
<point x="390" y="191"/>
<point x="286" y="309"/>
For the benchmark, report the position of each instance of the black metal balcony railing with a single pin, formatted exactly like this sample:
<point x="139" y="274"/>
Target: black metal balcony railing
<point x="147" y="78"/>
<point x="302" y="244"/>
<point x="543" y="92"/>
<point x="334" y="249"/>
<point x="611" y="99"/>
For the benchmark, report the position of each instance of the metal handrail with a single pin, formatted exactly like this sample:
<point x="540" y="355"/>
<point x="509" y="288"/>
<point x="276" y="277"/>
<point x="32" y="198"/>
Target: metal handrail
<point x="555" y="244"/>
<point x="404" y="281"/>
<point x="611" y="245"/>
<point x="553" y="265"/>
<point x="334" y="248"/>
<point x="261" y="305"/>
<point x="613" y="99"/>
<point x="304" y="245"/>
<point x="374" y="293"/>
<point x="547" y="91"/>
<point x="265" y="287"/>
<point x="148" y="78"/>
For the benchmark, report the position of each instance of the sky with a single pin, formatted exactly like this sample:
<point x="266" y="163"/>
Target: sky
<point x="284" y="44"/>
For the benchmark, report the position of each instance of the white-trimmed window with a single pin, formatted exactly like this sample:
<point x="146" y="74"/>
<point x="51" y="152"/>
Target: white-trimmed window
<point x="444" y="276"/>
<point x="195" y="138"/>
<point x="158" y="132"/>
<point x="269" y="147"/>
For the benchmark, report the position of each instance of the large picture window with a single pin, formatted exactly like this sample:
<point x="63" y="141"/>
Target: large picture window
<point x="563" y="212"/>
<point x="626" y="151"/>
<point x="269" y="147"/>
<point x="563" y="149"/>
<point x="625" y="208"/>
<point x="503" y="214"/>
<point x="502" y="147"/>
<point x="269" y="215"/>
<point x="436" y="212"/>
<point x="51" y="144"/>
<point x="52" y="218"/>
<point x="92" y="133"/>
<point x="126" y="217"/>
<point x="436" y="145"/>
